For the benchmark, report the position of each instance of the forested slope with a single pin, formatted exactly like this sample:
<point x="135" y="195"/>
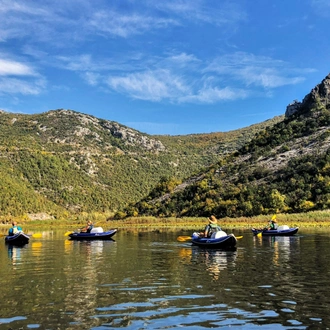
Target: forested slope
<point x="64" y="162"/>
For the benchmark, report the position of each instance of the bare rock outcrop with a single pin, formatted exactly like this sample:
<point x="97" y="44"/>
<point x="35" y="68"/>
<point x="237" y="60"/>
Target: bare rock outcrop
<point x="319" y="96"/>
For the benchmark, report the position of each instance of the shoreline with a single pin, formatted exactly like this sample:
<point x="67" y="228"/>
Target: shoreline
<point x="316" y="219"/>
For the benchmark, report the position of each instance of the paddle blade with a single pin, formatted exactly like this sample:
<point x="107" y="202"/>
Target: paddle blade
<point x="274" y="217"/>
<point x="183" y="238"/>
<point x="239" y="237"/>
<point x="36" y="235"/>
<point x="259" y="234"/>
<point x="68" y="233"/>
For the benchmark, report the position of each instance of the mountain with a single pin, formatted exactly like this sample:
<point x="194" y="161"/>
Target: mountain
<point x="63" y="162"/>
<point x="283" y="168"/>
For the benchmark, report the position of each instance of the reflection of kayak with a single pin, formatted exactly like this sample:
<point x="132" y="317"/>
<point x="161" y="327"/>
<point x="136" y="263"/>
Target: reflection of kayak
<point x="278" y="232"/>
<point x="224" y="242"/>
<point x="93" y="236"/>
<point x="17" y="239"/>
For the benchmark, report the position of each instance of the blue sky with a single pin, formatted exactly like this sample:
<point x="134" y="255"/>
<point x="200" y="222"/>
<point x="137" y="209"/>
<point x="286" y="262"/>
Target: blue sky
<point x="163" y="67"/>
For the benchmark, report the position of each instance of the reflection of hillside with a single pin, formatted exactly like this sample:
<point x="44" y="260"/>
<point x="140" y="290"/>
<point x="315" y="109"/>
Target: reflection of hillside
<point x="82" y="288"/>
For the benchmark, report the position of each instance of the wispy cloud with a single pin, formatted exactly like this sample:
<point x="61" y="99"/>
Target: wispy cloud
<point x="152" y="86"/>
<point x="25" y="87"/>
<point x="56" y="34"/>
<point x="210" y="95"/>
<point x="218" y="13"/>
<point x="321" y="7"/>
<point x="14" y="68"/>
<point x="183" y="78"/>
<point x="125" y="25"/>
<point x="250" y="69"/>
<point x="19" y="78"/>
<point x="59" y="22"/>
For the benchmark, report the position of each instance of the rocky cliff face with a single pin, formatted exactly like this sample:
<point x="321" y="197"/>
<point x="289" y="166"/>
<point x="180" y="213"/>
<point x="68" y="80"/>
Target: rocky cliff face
<point x="319" y="95"/>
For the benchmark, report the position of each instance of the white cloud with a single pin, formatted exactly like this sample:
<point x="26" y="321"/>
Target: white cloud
<point x="91" y="78"/>
<point x="217" y="12"/>
<point x="184" y="78"/>
<point x="152" y="86"/>
<point x="250" y="69"/>
<point x="114" y="23"/>
<point x="59" y="22"/>
<point x="19" y="78"/>
<point x="165" y="85"/>
<point x="14" y="68"/>
<point x="210" y="95"/>
<point x="18" y="86"/>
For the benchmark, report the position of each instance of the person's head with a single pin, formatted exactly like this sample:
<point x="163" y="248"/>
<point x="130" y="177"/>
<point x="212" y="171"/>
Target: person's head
<point x="213" y="219"/>
<point x="14" y="223"/>
<point x="89" y="222"/>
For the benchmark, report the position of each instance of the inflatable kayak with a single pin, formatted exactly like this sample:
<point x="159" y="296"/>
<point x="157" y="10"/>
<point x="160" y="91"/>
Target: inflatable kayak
<point x="281" y="231"/>
<point x="17" y="239"/>
<point x="223" y="242"/>
<point x="93" y="235"/>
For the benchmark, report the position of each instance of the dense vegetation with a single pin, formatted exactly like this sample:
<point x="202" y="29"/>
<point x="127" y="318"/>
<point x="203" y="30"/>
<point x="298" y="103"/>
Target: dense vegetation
<point x="62" y="162"/>
<point x="285" y="168"/>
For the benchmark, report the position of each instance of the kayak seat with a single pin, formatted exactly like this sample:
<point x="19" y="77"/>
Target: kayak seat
<point x="97" y="230"/>
<point x="219" y="234"/>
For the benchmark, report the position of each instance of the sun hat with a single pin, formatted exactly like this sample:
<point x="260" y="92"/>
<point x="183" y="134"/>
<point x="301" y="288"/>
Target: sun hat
<point x="212" y="219"/>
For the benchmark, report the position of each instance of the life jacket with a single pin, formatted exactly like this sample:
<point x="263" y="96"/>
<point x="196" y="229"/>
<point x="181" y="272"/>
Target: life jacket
<point x="14" y="230"/>
<point x="212" y="228"/>
<point x="273" y="226"/>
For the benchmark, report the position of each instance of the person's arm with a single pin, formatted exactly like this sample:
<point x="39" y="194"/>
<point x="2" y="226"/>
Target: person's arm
<point x="206" y="231"/>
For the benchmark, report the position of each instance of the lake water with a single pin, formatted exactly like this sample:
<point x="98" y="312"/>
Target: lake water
<point x="152" y="281"/>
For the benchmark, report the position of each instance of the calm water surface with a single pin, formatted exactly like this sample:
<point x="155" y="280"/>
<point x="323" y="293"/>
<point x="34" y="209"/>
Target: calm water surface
<point x="152" y="281"/>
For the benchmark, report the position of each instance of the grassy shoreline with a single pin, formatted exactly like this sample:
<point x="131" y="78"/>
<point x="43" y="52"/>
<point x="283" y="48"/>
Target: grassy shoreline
<point x="316" y="219"/>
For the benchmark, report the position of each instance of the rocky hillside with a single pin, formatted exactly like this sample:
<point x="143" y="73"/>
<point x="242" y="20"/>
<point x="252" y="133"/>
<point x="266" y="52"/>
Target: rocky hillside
<point x="64" y="162"/>
<point x="284" y="168"/>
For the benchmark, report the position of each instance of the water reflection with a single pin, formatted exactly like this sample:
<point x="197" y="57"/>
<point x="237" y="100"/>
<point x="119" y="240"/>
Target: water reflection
<point x="214" y="261"/>
<point x="154" y="282"/>
<point x="14" y="253"/>
<point x="36" y="248"/>
<point x="279" y="247"/>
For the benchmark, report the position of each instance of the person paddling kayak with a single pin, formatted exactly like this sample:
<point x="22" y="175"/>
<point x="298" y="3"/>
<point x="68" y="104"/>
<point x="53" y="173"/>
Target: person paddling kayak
<point x="14" y="229"/>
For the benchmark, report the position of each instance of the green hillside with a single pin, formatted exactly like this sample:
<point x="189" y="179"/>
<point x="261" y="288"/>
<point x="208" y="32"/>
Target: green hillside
<point x="63" y="162"/>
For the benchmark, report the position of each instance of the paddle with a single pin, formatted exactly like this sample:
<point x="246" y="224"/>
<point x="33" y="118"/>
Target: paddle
<point x="187" y="238"/>
<point x="183" y="238"/>
<point x="36" y="235"/>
